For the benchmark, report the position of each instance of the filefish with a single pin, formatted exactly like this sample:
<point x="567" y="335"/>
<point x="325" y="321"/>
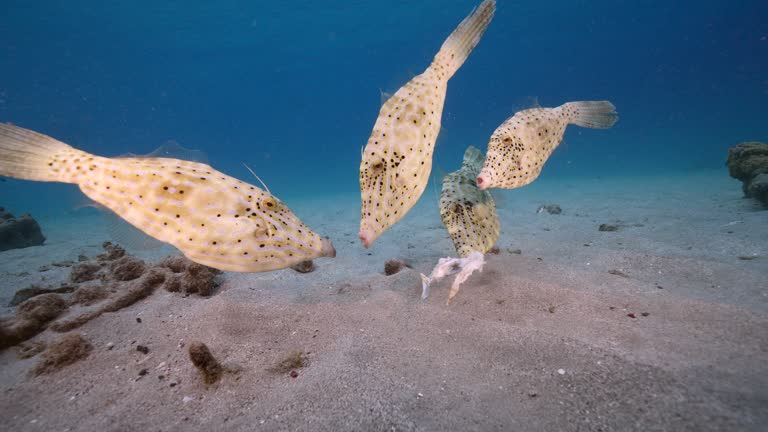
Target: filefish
<point x="519" y="148"/>
<point x="212" y="218"/>
<point x="468" y="213"/>
<point x="397" y="160"/>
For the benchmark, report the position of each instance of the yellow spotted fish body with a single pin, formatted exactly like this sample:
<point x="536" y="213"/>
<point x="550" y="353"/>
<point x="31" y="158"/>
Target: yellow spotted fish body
<point x="522" y="144"/>
<point x="397" y="160"/>
<point x="468" y="213"/>
<point x="214" y="219"/>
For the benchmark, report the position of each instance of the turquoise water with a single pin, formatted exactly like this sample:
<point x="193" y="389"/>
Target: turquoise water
<point x="293" y="89"/>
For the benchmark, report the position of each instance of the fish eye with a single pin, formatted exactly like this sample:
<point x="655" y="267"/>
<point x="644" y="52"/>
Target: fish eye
<point x="377" y="166"/>
<point x="268" y="202"/>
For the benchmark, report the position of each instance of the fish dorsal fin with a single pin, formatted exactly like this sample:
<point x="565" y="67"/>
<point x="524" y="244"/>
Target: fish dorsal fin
<point x="440" y="172"/>
<point x="437" y="176"/>
<point x="533" y="102"/>
<point x="473" y="159"/>
<point x="257" y="178"/>
<point x="384" y="96"/>
<point x="441" y="135"/>
<point x="499" y="199"/>
<point x="172" y="149"/>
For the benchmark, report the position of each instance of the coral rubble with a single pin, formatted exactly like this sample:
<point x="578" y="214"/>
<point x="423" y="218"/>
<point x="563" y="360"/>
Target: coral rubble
<point x="21" y="232"/>
<point x="748" y="162"/>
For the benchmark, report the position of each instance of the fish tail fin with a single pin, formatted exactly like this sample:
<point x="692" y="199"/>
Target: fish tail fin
<point x="28" y="155"/>
<point x="591" y="114"/>
<point x="463" y="40"/>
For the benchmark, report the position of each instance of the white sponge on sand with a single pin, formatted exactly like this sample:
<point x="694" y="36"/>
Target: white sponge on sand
<point x="448" y="266"/>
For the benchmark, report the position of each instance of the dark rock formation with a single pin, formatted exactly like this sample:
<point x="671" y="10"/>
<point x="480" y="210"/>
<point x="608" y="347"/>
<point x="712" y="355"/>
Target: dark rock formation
<point x="748" y="162"/>
<point x="21" y="232"/>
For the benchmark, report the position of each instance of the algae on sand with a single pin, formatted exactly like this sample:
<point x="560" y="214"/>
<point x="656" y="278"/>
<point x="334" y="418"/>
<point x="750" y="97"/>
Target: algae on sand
<point x="67" y="350"/>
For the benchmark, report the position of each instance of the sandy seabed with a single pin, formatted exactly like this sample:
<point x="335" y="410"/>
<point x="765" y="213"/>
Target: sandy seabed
<point x="660" y="325"/>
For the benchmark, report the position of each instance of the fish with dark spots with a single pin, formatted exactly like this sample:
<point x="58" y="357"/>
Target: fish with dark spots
<point x="397" y="160"/>
<point x="519" y="148"/>
<point x="468" y="213"/>
<point x="214" y="219"/>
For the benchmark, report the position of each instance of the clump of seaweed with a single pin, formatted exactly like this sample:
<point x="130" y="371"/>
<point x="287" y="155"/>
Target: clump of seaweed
<point x="111" y="281"/>
<point x="205" y="362"/>
<point x="84" y="272"/>
<point x="88" y="295"/>
<point x="67" y="350"/>
<point x="127" y="268"/>
<point x="137" y="290"/>
<point x="30" y="318"/>
<point x="188" y="277"/>
<point x="111" y="252"/>
<point x="393" y="266"/>
<point x="29" y="349"/>
<point x="34" y="290"/>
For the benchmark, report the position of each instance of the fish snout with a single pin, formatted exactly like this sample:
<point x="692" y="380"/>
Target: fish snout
<point x="366" y="237"/>
<point x="326" y="248"/>
<point x="482" y="183"/>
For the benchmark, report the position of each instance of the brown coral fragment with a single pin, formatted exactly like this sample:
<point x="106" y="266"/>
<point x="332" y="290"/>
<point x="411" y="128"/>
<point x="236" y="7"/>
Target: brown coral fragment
<point x="205" y="362"/>
<point x="67" y="350"/>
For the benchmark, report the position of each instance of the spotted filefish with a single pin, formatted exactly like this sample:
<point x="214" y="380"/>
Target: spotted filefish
<point x="519" y="148"/>
<point x="397" y="160"/>
<point x="212" y="218"/>
<point x="468" y="213"/>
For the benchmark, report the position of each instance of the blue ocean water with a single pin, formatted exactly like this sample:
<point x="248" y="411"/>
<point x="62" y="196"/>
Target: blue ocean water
<point x="293" y="88"/>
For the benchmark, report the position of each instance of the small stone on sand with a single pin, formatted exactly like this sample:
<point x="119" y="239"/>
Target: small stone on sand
<point x="304" y="266"/>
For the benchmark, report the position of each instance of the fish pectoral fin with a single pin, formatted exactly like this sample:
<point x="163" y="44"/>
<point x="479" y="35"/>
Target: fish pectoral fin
<point x="401" y="180"/>
<point x="482" y="210"/>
